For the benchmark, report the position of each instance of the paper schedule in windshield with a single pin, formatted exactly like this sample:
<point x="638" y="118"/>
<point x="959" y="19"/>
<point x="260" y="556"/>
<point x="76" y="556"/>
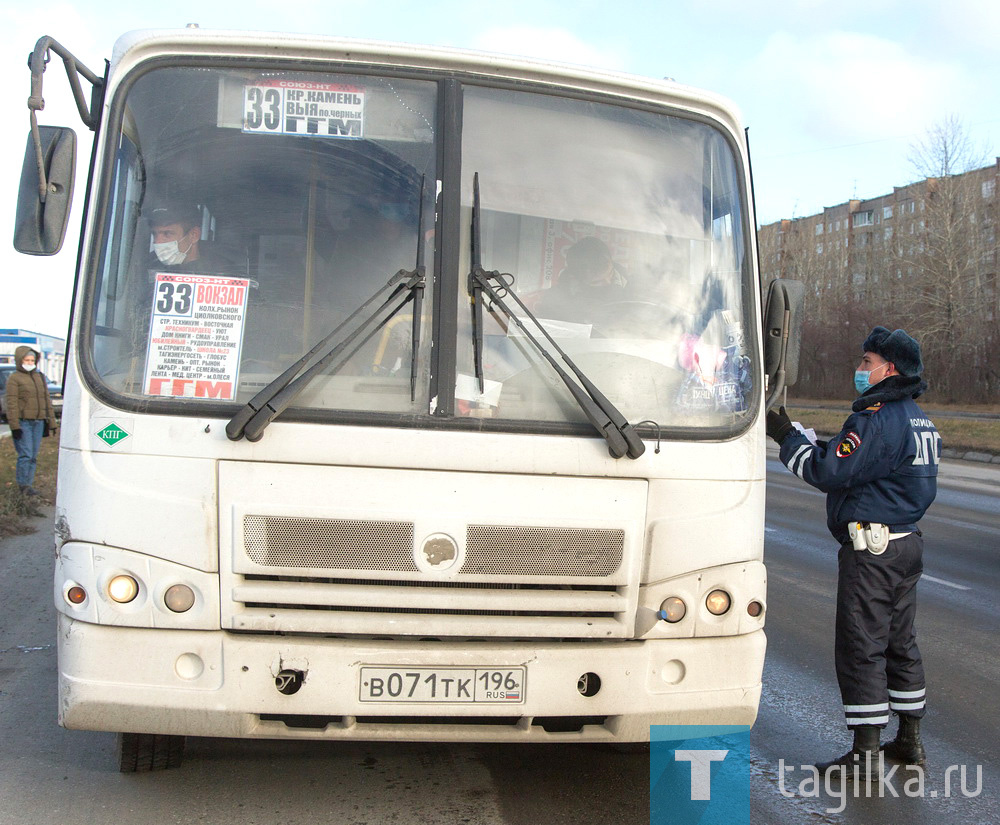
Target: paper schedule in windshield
<point x="195" y="336"/>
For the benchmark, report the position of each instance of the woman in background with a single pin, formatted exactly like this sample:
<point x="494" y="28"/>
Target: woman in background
<point x="30" y="415"/>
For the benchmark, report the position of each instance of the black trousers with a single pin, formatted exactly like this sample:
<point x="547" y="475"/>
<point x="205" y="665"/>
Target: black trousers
<point x="878" y="664"/>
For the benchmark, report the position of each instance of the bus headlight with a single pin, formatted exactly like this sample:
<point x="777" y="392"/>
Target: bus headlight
<point x="123" y="589"/>
<point x="179" y="598"/>
<point x="672" y="610"/>
<point x="717" y="602"/>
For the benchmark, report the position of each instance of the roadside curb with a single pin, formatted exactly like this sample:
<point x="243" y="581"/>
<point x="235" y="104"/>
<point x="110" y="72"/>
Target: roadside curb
<point x="971" y="455"/>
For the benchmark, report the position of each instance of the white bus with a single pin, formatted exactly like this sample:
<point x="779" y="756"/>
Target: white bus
<point x="412" y="394"/>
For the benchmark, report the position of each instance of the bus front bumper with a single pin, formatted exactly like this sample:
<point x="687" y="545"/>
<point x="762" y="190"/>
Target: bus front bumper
<point x="215" y="683"/>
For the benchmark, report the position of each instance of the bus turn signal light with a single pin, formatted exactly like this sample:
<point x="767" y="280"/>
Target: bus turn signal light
<point x="76" y="595"/>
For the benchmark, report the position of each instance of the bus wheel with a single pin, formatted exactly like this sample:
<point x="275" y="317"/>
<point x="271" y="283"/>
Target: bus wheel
<point x="142" y="752"/>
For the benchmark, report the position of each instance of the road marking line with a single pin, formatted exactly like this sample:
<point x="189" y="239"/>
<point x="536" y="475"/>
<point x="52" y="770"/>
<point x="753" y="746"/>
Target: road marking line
<point x="982" y="528"/>
<point x="946" y="584"/>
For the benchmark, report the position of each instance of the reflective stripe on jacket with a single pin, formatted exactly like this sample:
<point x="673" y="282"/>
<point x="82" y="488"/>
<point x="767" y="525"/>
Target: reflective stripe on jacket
<point x="882" y="467"/>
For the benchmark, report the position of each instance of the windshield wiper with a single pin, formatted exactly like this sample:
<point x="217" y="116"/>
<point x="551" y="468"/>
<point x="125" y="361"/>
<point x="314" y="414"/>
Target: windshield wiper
<point x="260" y="410"/>
<point x="405" y="285"/>
<point x="607" y="419"/>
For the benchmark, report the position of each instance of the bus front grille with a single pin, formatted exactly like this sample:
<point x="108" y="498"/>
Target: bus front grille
<point x="542" y="551"/>
<point x="493" y="550"/>
<point x="299" y="604"/>
<point x="370" y="552"/>
<point x="329" y="544"/>
<point x="357" y="577"/>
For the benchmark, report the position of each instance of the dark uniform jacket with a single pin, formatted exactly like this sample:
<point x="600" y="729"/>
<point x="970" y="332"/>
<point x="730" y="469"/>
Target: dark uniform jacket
<point x="883" y="465"/>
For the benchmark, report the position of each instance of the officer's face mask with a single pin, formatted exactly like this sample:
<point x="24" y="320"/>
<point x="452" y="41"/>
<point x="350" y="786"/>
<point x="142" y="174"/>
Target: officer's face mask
<point x="862" y="378"/>
<point x="169" y="253"/>
<point x="27" y="367"/>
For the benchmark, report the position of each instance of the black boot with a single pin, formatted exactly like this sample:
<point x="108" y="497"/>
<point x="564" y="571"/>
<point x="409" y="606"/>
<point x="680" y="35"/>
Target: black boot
<point x="862" y="760"/>
<point x="906" y="748"/>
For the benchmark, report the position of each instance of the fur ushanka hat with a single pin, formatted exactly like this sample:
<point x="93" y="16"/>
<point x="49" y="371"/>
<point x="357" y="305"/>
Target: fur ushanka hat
<point x="897" y="347"/>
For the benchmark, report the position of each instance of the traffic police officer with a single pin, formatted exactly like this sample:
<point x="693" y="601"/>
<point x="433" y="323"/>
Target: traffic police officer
<point x="880" y="476"/>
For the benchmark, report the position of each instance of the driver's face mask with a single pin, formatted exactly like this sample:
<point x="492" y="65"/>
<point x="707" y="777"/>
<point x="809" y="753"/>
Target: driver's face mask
<point x="169" y="253"/>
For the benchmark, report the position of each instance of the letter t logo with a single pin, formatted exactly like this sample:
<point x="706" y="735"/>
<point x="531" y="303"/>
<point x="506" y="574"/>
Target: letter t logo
<point x="701" y="770"/>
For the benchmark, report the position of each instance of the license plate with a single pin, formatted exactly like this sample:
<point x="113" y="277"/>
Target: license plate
<point x="481" y="685"/>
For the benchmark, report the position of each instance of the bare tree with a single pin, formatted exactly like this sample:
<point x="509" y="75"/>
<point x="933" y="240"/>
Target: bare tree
<point x="945" y="149"/>
<point x="836" y="314"/>
<point x="923" y="258"/>
<point x="944" y="259"/>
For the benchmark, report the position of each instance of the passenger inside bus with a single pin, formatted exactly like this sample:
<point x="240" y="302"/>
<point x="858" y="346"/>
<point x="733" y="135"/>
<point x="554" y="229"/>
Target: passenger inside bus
<point x="590" y="282"/>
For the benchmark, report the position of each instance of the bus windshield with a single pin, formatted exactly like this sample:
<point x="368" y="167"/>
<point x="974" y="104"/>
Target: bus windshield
<point x="622" y="232"/>
<point x="252" y="211"/>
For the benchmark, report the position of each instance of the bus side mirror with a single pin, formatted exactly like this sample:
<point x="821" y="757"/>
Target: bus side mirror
<point x="782" y="335"/>
<point x="40" y="225"/>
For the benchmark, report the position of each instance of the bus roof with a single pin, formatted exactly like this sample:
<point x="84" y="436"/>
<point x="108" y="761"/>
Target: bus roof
<point x="137" y="46"/>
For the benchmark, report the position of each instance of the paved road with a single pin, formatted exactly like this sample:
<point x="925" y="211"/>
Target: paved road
<point x="48" y="775"/>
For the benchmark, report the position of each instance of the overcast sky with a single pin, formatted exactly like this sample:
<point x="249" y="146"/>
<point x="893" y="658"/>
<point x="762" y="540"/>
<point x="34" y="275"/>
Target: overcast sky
<point x="834" y="93"/>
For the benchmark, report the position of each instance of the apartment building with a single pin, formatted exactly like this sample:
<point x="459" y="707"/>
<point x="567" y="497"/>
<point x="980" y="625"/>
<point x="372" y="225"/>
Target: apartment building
<point x="923" y="256"/>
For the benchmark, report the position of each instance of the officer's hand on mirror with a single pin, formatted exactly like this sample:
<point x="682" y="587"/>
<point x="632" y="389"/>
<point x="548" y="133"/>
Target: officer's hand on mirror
<point x="778" y="424"/>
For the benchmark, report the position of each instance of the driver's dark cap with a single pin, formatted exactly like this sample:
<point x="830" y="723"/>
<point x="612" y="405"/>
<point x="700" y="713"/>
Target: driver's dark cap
<point x="166" y="214"/>
<point x="586" y="250"/>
